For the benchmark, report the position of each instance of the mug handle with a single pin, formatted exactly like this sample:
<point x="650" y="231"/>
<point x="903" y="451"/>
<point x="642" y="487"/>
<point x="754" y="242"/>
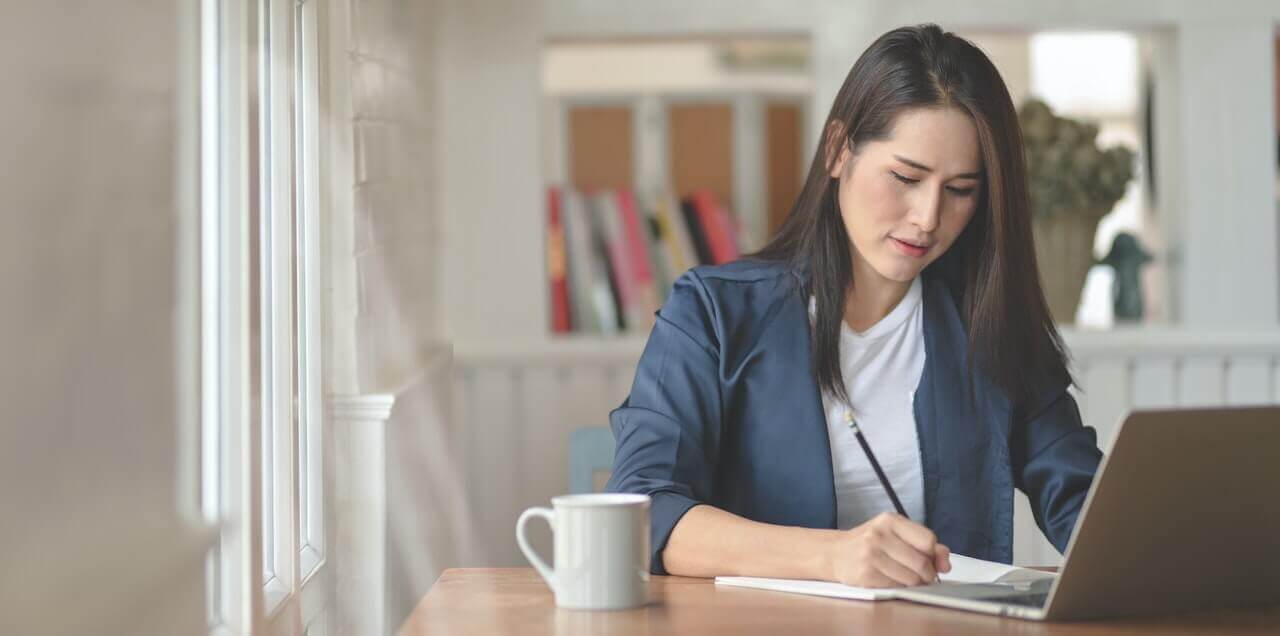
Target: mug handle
<point x="538" y="564"/>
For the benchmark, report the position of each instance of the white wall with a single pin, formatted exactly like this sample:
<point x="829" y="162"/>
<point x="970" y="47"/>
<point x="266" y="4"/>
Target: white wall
<point x="397" y="231"/>
<point x="490" y="179"/>
<point x="92" y="436"/>
<point x="1228" y="141"/>
<point x="387" y="239"/>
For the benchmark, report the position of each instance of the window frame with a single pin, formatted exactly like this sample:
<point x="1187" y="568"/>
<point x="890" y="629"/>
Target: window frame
<point x="263" y="477"/>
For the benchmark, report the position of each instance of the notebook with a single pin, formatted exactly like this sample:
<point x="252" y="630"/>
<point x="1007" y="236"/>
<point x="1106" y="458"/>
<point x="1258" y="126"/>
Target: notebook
<point x="963" y="570"/>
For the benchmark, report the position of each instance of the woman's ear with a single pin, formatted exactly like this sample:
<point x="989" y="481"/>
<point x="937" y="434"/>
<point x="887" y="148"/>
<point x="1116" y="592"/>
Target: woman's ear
<point x="836" y="148"/>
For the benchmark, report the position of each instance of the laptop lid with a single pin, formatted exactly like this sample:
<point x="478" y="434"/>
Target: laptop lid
<point x="1183" y="515"/>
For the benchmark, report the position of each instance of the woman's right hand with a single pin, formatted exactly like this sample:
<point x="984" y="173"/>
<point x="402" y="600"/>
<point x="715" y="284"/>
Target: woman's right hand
<point x="888" y="551"/>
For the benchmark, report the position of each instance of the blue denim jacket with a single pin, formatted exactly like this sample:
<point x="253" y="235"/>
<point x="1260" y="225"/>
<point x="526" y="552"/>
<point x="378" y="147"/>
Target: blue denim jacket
<point x="725" y="411"/>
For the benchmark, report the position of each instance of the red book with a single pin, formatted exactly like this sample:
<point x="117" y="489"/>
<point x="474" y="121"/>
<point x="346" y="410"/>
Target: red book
<point x="557" y="264"/>
<point x="717" y="226"/>
<point x="645" y="292"/>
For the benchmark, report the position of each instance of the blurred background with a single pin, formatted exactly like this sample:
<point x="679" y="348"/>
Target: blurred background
<point x="306" y="300"/>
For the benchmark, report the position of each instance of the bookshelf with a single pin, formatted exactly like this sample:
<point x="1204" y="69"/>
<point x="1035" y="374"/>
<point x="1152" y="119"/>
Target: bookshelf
<point x="719" y="169"/>
<point x="703" y="135"/>
<point x="496" y="133"/>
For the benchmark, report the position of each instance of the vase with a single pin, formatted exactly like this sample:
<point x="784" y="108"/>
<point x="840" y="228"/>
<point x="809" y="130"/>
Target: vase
<point x="1064" y="254"/>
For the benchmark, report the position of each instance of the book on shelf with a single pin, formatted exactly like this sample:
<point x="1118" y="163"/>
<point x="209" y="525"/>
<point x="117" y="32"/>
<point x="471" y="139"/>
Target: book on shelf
<point x="606" y="295"/>
<point x="697" y="232"/>
<point x="659" y="254"/>
<point x="717" y="227"/>
<point x="612" y="257"/>
<point x="644" y="293"/>
<point x="622" y="279"/>
<point x="557" y="265"/>
<point x="675" y="235"/>
<point x="590" y="297"/>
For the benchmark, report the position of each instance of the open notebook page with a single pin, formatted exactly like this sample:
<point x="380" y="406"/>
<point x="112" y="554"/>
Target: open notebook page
<point x="963" y="570"/>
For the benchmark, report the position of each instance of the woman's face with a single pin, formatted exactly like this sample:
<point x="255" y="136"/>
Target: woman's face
<point x="905" y="199"/>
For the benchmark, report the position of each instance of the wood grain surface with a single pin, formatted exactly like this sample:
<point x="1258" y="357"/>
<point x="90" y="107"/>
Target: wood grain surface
<point x="517" y="601"/>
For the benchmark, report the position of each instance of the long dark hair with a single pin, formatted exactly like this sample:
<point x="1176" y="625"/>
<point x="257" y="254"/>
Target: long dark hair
<point x="990" y="269"/>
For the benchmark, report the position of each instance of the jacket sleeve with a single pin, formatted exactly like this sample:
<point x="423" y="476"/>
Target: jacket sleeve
<point x="667" y="431"/>
<point x="1054" y="460"/>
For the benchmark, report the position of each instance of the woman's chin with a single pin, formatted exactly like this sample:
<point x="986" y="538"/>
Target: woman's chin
<point x="899" y="272"/>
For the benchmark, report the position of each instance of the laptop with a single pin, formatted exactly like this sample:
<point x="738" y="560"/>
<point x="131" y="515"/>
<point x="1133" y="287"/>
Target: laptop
<point x="1184" y="514"/>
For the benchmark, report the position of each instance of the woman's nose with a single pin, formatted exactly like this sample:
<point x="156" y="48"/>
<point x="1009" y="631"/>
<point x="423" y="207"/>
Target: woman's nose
<point x="927" y="210"/>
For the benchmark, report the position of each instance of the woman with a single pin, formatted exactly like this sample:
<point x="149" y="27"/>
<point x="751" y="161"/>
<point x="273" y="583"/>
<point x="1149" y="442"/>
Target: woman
<point x="901" y="295"/>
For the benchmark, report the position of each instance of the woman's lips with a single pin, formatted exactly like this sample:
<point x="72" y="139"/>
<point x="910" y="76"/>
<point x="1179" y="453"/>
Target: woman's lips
<point x="908" y="248"/>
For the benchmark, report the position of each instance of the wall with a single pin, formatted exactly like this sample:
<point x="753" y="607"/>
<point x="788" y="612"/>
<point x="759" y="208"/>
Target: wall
<point x="397" y="236"/>
<point x="490" y="180"/>
<point x="92" y="440"/>
<point x="386" y="250"/>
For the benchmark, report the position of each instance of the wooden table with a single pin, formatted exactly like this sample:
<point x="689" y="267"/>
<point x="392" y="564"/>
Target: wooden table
<point x="516" y="601"/>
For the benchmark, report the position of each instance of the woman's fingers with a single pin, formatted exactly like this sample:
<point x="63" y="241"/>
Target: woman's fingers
<point x="920" y="564"/>
<point x="877" y="578"/>
<point x="900" y="573"/>
<point x="930" y="557"/>
<point x="942" y="558"/>
<point x="918" y="536"/>
<point x="891" y="550"/>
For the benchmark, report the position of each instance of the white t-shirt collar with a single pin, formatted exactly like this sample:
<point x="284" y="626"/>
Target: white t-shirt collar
<point x="899" y="314"/>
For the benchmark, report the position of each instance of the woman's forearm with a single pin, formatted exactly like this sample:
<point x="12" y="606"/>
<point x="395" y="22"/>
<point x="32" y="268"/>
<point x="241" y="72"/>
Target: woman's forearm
<point x="708" y="541"/>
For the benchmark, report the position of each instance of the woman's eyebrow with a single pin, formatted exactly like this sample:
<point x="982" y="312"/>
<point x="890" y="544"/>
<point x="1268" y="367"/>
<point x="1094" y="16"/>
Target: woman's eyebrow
<point x="920" y="166"/>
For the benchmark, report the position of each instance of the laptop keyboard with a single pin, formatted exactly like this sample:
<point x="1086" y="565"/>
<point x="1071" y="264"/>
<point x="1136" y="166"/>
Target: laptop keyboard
<point x="1029" y="600"/>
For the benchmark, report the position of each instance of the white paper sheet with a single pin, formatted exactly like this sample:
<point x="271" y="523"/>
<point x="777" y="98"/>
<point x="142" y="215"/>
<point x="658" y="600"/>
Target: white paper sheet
<point x="963" y="570"/>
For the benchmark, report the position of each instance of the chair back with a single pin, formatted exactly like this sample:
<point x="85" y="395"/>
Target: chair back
<point x="590" y="451"/>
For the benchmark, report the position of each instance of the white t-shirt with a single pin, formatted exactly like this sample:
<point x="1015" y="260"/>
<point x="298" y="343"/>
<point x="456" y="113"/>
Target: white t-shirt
<point x="882" y="368"/>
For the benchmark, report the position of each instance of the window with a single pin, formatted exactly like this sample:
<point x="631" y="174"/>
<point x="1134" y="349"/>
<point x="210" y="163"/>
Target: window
<point x="1098" y="78"/>
<point x="262" y="439"/>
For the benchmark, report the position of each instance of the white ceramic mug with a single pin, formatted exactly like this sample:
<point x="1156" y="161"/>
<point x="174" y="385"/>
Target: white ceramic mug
<point x="601" y="550"/>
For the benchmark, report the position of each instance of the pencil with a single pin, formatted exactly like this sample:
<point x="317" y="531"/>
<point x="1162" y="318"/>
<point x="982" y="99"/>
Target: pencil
<point x="875" y="465"/>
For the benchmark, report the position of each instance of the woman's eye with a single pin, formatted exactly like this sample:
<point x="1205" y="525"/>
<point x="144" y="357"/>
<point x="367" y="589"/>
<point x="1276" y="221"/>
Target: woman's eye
<point x="964" y="192"/>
